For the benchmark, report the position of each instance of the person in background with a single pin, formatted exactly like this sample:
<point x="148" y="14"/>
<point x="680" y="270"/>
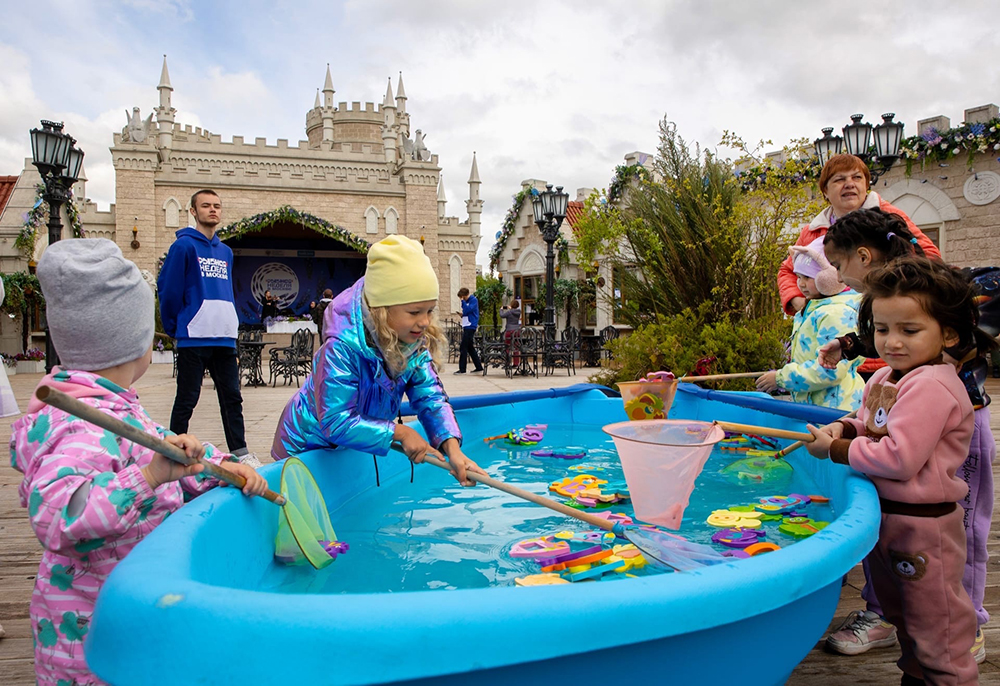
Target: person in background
<point x="830" y="311"/>
<point x="846" y="184"/>
<point x="511" y="316"/>
<point x="318" y="309"/>
<point x="470" y="322"/>
<point x="198" y="311"/>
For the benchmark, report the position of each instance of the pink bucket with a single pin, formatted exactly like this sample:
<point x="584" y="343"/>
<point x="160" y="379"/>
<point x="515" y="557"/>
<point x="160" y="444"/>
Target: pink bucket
<point x="661" y="459"/>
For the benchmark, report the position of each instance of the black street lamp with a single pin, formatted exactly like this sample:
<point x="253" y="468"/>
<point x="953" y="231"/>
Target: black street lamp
<point x="550" y="209"/>
<point x="59" y="161"/>
<point x="858" y="141"/>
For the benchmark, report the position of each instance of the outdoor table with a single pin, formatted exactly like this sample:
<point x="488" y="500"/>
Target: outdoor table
<point x="250" y="353"/>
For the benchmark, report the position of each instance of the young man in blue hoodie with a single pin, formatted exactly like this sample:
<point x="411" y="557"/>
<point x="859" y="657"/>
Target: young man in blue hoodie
<point x="197" y="309"/>
<point x="470" y="321"/>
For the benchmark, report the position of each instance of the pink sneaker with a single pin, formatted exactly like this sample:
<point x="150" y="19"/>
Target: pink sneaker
<point x="861" y="632"/>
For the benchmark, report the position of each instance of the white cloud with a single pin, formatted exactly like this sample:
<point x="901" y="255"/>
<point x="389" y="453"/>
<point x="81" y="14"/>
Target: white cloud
<point x="559" y="92"/>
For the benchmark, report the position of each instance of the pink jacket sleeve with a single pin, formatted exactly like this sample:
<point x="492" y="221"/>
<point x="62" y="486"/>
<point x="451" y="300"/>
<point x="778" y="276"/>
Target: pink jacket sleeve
<point x="74" y="497"/>
<point x="914" y="431"/>
<point x="200" y="483"/>
<point x="788" y="286"/>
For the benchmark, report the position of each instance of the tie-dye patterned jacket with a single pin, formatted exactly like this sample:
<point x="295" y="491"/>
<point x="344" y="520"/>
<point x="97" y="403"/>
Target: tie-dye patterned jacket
<point x="819" y="322"/>
<point x="350" y="400"/>
<point x="89" y="505"/>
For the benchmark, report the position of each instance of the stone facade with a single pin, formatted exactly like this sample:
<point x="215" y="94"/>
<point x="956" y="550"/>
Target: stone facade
<point x="358" y="168"/>
<point x="956" y="206"/>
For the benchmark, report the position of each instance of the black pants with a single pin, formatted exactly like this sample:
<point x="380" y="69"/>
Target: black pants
<point x="221" y="364"/>
<point x="467" y="348"/>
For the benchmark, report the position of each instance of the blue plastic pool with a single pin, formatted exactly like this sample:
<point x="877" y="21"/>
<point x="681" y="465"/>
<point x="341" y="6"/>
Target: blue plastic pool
<point x="198" y="580"/>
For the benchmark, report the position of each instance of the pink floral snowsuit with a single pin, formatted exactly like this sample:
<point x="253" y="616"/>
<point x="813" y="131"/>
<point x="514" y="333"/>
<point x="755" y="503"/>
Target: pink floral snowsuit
<point x="89" y="505"/>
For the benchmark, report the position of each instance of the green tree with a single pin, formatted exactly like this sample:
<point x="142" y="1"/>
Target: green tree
<point x="23" y="296"/>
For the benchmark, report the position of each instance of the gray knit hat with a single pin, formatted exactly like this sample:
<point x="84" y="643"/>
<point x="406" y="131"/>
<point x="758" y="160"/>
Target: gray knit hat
<point x="99" y="309"/>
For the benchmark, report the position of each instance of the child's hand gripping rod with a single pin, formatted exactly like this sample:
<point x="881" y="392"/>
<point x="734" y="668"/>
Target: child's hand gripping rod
<point x="798" y="444"/>
<point x="70" y="405"/>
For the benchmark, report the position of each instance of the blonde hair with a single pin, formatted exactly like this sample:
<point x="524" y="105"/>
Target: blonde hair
<point x="388" y="342"/>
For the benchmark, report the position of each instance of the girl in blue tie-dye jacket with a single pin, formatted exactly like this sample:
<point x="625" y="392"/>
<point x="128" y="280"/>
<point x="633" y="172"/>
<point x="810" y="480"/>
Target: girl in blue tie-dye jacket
<point x="828" y="313"/>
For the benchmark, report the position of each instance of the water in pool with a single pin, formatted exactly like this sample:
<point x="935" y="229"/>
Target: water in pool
<point x="434" y="534"/>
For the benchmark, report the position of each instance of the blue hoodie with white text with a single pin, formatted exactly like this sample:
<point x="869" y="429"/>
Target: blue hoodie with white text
<point x="196" y="291"/>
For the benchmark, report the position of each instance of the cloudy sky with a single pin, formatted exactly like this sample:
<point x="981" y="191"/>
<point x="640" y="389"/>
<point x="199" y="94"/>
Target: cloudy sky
<point x="561" y="94"/>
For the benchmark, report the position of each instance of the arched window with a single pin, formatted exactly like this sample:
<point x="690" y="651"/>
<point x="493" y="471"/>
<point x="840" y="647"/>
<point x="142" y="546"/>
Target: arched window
<point x="391" y="221"/>
<point x="371" y="220"/>
<point x="172" y="213"/>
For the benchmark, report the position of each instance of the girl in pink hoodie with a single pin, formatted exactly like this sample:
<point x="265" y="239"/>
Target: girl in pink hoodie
<point x="911" y="436"/>
<point x="92" y="496"/>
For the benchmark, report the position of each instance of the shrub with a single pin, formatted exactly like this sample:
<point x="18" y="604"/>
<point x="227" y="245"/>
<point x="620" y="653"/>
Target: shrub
<point x="676" y="343"/>
<point x="31" y="354"/>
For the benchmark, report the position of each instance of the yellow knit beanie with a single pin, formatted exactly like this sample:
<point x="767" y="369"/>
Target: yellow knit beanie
<point x="398" y="273"/>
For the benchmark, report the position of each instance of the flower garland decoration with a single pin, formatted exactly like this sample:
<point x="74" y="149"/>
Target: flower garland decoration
<point x="508" y="226"/>
<point x="623" y="177"/>
<point x="941" y="146"/>
<point x="286" y="213"/>
<point x="37" y="216"/>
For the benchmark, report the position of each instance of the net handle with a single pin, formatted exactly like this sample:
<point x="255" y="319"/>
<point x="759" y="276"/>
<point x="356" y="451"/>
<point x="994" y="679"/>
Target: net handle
<point x="733" y="427"/>
<point x="798" y="444"/>
<point x="70" y="405"/>
<point x="434" y="457"/>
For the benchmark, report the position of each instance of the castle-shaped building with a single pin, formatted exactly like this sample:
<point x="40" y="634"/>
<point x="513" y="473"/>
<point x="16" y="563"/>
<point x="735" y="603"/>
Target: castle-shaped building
<point x="298" y="217"/>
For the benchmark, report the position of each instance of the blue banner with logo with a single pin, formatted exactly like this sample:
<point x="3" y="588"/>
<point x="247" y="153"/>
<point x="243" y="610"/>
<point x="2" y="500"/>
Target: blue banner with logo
<point x="294" y="281"/>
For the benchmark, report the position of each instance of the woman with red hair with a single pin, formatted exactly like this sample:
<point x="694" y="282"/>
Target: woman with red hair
<point x="846" y="183"/>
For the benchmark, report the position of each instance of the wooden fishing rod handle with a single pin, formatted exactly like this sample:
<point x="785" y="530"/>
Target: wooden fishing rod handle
<point x="798" y="444"/>
<point x="89" y="413"/>
<point x="720" y="377"/>
<point x="599" y="522"/>
<point x="765" y="431"/>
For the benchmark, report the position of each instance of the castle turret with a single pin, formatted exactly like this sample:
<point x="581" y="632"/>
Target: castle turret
<point x="442" y="200"/>
<point x="328" y="106"/>
<point x="400" y="96"/>
<point x="165" y="113"/>
<point x="474" y="205"/>
<point x="389" y="125"/>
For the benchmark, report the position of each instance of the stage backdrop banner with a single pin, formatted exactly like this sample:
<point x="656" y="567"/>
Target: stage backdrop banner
<point x="294" y="281"/>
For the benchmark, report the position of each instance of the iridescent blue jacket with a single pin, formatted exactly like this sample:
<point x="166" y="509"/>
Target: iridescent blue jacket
<point x="350" y="400"/>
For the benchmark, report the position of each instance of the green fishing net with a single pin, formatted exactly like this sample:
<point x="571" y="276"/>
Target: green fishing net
<point x="305" y="533"/>
<point x="759" y="469"/>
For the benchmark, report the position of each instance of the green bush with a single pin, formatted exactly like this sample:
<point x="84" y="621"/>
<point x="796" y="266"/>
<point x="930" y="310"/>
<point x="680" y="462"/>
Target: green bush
<point x="676" y="343"/>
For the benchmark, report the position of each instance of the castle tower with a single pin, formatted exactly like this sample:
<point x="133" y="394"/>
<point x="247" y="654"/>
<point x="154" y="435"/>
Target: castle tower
<point x="389" y="125"/>
<point x="328" y="106"/>
<point x="165" y="113"/>
<point x="442" y="200"/>
<point x="474" y="205"/>
<point x="402" y="117"/>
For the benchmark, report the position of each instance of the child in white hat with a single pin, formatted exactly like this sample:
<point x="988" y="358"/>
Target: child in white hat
<point x="381" y="340"/>
<point x="830" y="311"/>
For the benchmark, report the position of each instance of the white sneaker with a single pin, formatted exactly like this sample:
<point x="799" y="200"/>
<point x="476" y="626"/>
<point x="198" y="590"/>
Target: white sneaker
<point x="979" y="647"/>
<point x="249" y="459"/>
<point x="861" y="632"/>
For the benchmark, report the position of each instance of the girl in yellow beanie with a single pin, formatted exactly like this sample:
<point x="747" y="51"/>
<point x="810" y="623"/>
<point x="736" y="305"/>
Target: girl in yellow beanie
<point x="381" y="339"/>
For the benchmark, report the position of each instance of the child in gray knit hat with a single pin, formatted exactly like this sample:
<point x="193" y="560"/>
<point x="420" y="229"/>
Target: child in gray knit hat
<point x="86" y="490"/>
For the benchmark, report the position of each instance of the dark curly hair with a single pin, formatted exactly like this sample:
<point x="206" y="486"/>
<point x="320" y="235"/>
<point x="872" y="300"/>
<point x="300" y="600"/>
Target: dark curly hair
<point x="945" y="294"/>
<point x="882" y="231"/>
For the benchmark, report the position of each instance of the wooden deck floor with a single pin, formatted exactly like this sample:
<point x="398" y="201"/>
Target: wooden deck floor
<point x="19" y="550"/>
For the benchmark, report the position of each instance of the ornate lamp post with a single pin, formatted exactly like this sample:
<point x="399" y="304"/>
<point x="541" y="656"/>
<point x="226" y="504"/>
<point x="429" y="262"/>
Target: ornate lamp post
<point x="59" y="161"/>
<point x="858" y="139"/>
<point x="550" y="209"/>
